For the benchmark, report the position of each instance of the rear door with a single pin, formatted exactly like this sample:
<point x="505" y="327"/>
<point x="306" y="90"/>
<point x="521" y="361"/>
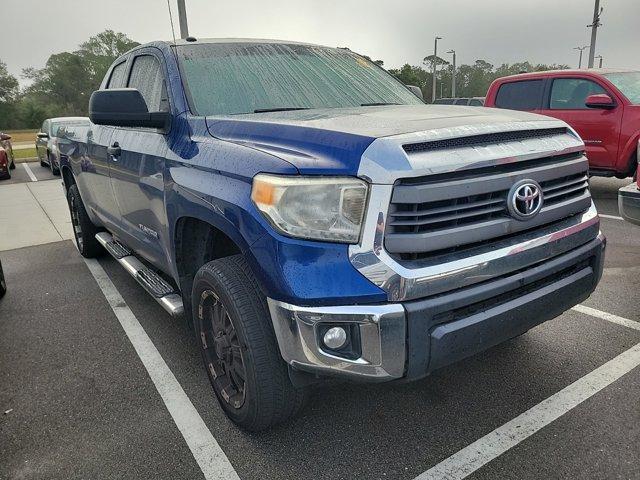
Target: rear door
<point x="137" y="172"/>
<point x="95" y="176"/>
<point x="599" y="128"/>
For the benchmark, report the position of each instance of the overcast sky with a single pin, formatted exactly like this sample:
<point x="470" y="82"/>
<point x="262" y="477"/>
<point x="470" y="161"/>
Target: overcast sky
<point x="396" y="31"/>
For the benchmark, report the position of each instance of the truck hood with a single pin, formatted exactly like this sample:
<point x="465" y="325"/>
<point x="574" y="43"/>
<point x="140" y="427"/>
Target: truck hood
<point x="332" y="141"/>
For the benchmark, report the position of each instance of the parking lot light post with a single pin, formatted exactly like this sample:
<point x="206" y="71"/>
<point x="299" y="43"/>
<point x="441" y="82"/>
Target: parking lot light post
<point x="600" y="60"/>
<point x="453" y="74"/>
<point x="597" y="10"/>
<point x="433" y="69"/>
<point x="581" y="50"/>
<point x="182" y="17"/>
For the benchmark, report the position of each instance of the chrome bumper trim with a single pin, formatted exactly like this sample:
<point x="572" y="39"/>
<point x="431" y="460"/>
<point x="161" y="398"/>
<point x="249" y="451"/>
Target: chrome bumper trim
<point x="401" y="283"/>
<point x="382" y="337"/>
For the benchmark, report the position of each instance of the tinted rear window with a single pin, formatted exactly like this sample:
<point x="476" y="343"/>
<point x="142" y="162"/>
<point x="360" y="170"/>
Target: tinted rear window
<point x="523" y="95"/>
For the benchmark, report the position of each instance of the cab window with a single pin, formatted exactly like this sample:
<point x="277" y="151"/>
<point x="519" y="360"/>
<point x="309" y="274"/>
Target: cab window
<point x="146" y="76"/>
<point x="571" y="93"/>
<point x="523" y="95"/>
<point x="117" y="76"/>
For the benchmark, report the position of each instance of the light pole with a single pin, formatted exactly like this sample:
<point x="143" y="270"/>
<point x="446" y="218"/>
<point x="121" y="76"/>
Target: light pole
<point x="433" y="69"/>
<point x="453" y="74"/>
<point x="581" y="50"/>
<point x="594" y="31"/>
<point x="600" y="62"/>
<point x="182" y="17"/>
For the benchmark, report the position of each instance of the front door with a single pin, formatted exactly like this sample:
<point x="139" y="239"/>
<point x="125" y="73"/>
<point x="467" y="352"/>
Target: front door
<point x="598" y="128"/>
<point x="137" y="172"/>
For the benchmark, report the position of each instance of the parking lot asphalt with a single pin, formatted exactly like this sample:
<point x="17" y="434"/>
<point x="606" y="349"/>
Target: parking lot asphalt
<point x="22" y="172"/>
<point x="80" y="404"/>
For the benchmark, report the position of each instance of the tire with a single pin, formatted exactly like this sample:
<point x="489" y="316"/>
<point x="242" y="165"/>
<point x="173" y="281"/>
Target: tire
<point x="227" y="290"/>
<point x="13" y="165"/>
<point x="3" y="284"/>
<point x="84" y="230"/>
<point x="54" y="170"/>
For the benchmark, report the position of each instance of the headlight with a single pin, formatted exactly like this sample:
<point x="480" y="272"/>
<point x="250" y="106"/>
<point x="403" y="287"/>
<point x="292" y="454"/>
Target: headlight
<point x="318" y="208"/>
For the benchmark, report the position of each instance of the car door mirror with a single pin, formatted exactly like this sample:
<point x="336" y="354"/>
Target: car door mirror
<point x="42" y="135"/>
<point x="4" y="136"/>
<point x="124" y="107"/>
<point x="601" y="100"/>
<point x="416" y="91"/>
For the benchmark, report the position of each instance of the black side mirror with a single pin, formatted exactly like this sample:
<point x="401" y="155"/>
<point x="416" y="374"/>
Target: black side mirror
<point x="416" y="91"/>
<point x="42" y="135"/>
<point x="124" y="107"/>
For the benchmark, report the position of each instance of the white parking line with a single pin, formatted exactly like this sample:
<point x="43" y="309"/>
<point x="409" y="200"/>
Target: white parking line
<point x="610" y="216"/>
<point x="204" y="447"/>
<point x="494" y="444"/>
<point x="29" y="172"/>
<point x="607" y="316"/>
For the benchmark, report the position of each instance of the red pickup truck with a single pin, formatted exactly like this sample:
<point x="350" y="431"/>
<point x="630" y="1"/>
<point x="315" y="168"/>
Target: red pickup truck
<point x="602" y="105"/>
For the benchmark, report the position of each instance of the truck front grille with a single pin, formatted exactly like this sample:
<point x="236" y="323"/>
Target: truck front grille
<point x="431" y="215"/>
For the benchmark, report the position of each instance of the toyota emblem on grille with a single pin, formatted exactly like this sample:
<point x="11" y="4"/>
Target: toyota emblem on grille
<point x="525" y="199"/>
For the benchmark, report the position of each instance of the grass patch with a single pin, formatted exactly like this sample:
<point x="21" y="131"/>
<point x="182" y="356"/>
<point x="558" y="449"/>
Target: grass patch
<point x="22" y="135"/>
<point x="21" y="153"/>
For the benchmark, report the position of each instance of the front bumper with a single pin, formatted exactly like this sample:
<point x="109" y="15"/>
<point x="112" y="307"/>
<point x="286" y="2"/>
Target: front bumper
<point x="629" y="203"/>
<point x="411" y="339"/>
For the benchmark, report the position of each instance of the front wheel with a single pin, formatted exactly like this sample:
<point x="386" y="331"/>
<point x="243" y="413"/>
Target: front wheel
<point x="239" y="347"/>
<point x="13" y="165"/>
<point x="84" y="230"/>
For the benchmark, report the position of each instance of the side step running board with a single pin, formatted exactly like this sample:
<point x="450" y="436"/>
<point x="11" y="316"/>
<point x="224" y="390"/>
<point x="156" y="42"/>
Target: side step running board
<point x="153" y="283"/>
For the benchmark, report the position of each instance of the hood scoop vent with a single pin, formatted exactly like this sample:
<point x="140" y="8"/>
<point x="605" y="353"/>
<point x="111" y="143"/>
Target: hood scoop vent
<point x="484" y="139"/>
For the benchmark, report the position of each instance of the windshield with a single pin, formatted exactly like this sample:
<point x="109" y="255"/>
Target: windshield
<point x="628" y="83"/>
<point x="236" y="78"/>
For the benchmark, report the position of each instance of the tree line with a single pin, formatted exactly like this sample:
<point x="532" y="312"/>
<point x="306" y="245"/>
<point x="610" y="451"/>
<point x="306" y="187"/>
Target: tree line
<point x="63" y="86"/>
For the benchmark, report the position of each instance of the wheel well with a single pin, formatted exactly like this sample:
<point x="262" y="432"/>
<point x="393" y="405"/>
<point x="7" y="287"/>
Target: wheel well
<point x="197" y="243"/>
<point x="67" y="178"/>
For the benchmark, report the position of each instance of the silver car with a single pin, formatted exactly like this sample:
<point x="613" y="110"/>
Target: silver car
<point x="48" y="141"/>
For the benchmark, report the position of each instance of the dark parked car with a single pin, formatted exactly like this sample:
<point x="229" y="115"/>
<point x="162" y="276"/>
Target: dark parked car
<point x="468" y="101"/>
<point x="7" y="160"/>
<point x="48" y="142"/>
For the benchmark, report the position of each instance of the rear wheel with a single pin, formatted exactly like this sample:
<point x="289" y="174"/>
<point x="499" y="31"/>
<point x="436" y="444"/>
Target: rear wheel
<point x="84" y="230"/>
<point x="239" y="348"/>
<point x="54" y="170"/>
<point x="13" y="165"/>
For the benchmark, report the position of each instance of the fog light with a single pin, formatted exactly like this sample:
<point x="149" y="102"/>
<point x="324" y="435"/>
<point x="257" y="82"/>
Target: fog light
<point x="335" y="338"/>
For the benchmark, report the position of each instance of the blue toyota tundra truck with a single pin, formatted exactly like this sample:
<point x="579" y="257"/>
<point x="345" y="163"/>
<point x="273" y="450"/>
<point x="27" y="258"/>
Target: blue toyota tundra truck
<point x="314" y="219"/>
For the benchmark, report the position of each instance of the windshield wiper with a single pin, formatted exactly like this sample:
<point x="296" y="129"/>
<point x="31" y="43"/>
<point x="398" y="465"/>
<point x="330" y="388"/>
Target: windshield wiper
<point x="281" y="109"/>
<point x="377" y="104"/>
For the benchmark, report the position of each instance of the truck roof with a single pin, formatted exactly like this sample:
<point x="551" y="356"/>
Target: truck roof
<point x="592" y="71"/>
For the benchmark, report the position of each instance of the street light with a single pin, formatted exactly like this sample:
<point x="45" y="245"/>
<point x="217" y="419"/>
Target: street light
<point x="581" y="50"/>
<point x="453" y="74"/>
<point x="433" y="69"/>
<point x="600" y="62"/>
